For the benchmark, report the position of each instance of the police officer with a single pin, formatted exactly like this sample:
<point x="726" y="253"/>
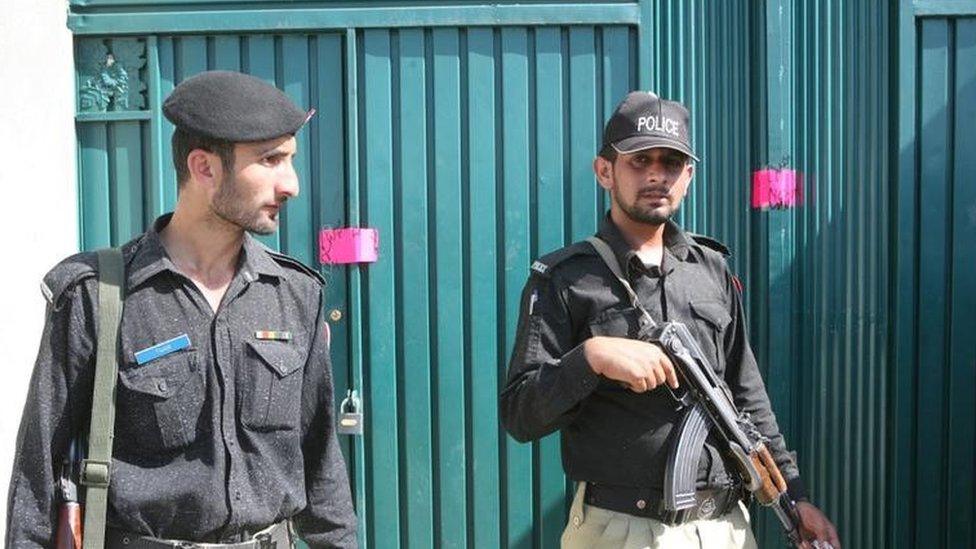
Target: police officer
<point x="225" y="436"/>
<point x="577" y="367"/>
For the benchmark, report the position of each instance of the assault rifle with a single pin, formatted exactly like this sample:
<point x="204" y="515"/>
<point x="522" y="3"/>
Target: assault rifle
<point x="710" y="405"/>
<point x="68" y="534"/>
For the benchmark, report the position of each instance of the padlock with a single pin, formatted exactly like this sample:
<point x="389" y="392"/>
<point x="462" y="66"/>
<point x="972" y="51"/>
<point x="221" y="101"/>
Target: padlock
<point x="350" y="415"/>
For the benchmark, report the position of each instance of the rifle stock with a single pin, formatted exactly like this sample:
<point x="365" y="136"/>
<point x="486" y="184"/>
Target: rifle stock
<point x="69" y="531"/>
<point x="69" y="526"/>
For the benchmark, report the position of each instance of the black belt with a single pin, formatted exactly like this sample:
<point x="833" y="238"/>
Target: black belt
<point x="277" y="536"/>
<point x="648" y="502"/>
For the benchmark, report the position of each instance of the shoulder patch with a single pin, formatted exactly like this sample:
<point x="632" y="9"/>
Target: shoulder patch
<point x="67" y="274"/>
<point x="291" y="262"/>
<point x="737" y="283"/>
<point x="711" y="244"/>
<point x="545" y="264"/>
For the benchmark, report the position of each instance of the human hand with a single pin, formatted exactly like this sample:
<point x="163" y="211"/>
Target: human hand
<point x="816" y="530"/>
<point x="639" y="365"/>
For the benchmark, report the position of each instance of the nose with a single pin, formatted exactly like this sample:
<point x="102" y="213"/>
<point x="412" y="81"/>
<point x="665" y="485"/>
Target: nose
<point x="287" y="186"/>
<point x="657" y="172"/>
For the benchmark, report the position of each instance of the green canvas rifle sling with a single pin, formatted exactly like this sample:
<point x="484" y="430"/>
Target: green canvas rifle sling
<point x="96" y="469"/>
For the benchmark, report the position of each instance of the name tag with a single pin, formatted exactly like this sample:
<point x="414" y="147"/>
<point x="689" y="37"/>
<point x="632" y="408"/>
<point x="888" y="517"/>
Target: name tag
<point x="178" y="343"/>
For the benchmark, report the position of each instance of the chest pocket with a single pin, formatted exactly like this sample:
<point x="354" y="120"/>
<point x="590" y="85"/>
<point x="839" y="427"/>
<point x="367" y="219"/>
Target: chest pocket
<point x="160" y="402"/>
<point x="628" y="322"/>
<point x="272" y="391"/>
<point x="712" y="318"/>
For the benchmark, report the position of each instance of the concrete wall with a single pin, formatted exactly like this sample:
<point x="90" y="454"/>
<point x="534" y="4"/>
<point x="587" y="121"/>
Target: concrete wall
<point x="38" y="204"/>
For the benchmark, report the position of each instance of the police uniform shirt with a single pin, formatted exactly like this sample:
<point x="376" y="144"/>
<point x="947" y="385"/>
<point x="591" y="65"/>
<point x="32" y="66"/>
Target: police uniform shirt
<point x="611" y="435"/>
<point x="213" y="442"/>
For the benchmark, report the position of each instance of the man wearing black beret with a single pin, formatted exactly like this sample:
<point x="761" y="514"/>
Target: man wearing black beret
<point x="224" y="429"/>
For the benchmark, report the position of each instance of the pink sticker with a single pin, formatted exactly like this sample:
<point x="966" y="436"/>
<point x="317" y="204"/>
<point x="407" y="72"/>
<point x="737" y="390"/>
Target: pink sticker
<point x="349" y="245"/>
<point x="772" y="188"/>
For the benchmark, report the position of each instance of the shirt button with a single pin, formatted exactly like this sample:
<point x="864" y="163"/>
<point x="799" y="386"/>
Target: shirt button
<point x="641" y="504"/>
<point x="162" y="386"/>
<point x="576" y="521"/>
<point x="237" y="495"/>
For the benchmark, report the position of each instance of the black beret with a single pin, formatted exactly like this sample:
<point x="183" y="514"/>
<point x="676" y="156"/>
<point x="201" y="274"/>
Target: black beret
<point x="233" y="107"/>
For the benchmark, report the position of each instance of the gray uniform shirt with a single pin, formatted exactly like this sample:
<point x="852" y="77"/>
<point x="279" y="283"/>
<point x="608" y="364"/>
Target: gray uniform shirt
<point x="212" y="443"/>
<point x="611" y="435"/>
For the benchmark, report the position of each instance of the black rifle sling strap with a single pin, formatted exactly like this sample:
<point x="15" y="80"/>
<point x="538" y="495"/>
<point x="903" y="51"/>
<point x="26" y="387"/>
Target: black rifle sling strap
<point x="610" y="259"/>
<point x="97" y="468"/>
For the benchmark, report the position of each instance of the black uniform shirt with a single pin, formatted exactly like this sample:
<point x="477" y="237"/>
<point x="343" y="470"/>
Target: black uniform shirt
<point x="610" y="434"/>
<point x="212" y="443"/>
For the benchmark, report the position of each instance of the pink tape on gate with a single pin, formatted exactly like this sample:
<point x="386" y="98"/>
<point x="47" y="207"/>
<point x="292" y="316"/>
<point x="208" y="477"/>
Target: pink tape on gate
<point x="349" y="245"/>
<point x="773" y="188"/>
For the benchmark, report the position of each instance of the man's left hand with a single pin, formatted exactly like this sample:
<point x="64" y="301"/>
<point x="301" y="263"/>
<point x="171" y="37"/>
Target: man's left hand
<point x="815" y="527"/>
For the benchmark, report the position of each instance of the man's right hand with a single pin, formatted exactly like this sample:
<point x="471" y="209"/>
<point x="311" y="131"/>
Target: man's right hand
<point x="639" y="365"/>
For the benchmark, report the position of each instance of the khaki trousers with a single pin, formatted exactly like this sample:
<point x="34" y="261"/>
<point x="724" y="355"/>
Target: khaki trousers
<point x="595" y="528"/>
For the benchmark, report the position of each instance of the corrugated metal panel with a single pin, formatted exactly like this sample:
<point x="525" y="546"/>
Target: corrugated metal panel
<point x="476" y="146"/>
<point x="822" y="332"/>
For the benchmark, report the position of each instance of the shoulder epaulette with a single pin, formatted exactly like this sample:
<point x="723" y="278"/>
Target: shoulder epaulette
<point x="711" y="244"/>
<point x="545" y="264"/>
<point x="67" y="274"/>
<point x="291" y="262"/>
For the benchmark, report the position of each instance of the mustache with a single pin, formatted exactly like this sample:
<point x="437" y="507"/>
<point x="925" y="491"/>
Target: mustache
<point x="654" y="192"/>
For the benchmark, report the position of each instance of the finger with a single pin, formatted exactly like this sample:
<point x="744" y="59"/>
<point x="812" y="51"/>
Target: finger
<point x="639" y="385"/>
<point x="659" y="376"/>
<point x="833" y="538"/>
<point x="651" y="380"/>
<point x="670" y="373"/>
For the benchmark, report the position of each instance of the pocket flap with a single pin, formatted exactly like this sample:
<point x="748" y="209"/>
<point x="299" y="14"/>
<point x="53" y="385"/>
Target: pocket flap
<point x="712" y="312"/>
<point x="618" y="323"/>
<point x="282" y="357"/>
<point x="163" y="377"/>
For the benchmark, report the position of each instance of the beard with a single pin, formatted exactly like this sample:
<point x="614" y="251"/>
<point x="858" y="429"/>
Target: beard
<point x="641" y="212"/>
<point x="233" y="206"/>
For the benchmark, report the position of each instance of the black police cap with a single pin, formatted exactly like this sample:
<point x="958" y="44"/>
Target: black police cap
<point x="644" y="121"/>
<point x="232" y="106"/>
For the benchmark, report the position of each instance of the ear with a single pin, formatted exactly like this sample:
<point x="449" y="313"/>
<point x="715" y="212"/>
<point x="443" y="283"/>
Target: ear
<point x="603" y="169"/>
<point x="686" y="176"/>
<point x="204" y="167"/>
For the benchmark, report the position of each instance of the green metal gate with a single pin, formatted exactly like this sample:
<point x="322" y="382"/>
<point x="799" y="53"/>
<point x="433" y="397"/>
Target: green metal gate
<point x="464" y="133"/>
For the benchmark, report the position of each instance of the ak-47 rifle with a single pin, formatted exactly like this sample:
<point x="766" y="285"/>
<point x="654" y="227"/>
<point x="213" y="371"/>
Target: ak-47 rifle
<point x="710" y="405"/>
<point x="70" y="512"/>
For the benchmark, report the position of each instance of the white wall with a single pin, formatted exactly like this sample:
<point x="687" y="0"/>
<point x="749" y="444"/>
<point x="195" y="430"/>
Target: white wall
<point x="38" y="195"/>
